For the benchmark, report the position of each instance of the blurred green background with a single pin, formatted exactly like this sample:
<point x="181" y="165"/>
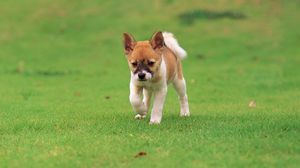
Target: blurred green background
<point x="64" y="84"/>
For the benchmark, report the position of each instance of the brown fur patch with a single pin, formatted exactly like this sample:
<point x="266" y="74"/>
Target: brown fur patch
<point x="171" y="63"/>
<point x="179" y="70"/>
<point x="143" y="52"/>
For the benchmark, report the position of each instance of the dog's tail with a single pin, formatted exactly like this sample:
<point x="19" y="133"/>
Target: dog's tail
<point x="172" y="43"/>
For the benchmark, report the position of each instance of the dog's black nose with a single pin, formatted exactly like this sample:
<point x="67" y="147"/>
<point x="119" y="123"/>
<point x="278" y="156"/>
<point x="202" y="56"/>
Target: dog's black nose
<point x="141" y="76"/>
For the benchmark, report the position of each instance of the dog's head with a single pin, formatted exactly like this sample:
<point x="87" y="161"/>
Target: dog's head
<point x="144" y="57"/>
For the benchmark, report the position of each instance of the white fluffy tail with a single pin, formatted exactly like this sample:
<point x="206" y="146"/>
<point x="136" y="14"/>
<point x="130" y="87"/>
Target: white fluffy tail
<point x="172" y="43"/>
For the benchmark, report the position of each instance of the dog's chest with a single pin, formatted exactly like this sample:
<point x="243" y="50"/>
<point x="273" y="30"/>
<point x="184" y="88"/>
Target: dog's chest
<point x="149" y="85"/>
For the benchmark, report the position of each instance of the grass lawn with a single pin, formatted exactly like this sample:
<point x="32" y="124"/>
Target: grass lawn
<point x="64" y="84"/>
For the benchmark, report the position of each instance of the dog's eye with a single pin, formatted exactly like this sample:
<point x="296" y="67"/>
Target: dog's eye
<point x="134" y="64"/>
<point x="151" y="63"/>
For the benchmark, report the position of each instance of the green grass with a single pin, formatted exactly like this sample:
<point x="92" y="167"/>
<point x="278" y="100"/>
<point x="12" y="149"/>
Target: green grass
<point x="64" y="85"/>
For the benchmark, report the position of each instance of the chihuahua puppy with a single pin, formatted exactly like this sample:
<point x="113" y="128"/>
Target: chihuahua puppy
<point x="154" y="64"/>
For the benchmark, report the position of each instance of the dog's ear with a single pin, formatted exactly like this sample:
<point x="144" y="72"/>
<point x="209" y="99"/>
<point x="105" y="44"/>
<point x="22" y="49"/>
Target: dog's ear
<point x="128" y="42"/>
<point x="157" y="40"/>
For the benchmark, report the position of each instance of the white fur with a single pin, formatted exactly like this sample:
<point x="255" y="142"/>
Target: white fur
<point x="147" y="77"/>
<point x="135" y="100"/>
<point x="160" y="93"/>
<point x="180" y="87"/>
<point x="172" y="43"/>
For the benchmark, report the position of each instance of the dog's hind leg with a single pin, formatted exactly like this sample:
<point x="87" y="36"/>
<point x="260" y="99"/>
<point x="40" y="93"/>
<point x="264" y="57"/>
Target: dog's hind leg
<point x="180" y="87"/>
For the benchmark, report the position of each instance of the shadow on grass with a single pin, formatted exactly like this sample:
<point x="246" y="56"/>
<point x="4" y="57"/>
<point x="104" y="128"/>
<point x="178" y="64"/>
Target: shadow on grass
<point x="47" y="73"/>
<point x="189" y="17"/>
<point x="125" y="125"/>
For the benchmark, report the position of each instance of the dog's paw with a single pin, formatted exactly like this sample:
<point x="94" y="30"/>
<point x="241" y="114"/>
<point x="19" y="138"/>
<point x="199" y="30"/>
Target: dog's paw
<point x="154" y="122"/>
<point x="185" y="114"/>
<point x="140" y="116"/>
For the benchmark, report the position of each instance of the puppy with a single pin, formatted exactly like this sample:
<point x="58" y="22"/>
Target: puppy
<point x="154" y="64"/>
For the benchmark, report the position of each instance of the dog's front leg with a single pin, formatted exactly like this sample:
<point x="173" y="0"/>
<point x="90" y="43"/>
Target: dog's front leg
<point x="158" y="104"/>
<point x="136" y="101"/>
<point x="147" y="98"/>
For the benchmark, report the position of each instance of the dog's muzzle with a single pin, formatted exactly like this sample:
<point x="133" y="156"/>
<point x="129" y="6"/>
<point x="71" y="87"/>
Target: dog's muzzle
<point x="141" y="76"/>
